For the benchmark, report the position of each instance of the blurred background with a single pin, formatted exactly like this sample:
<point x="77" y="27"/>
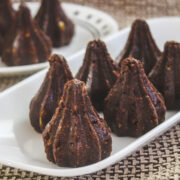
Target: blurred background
<point x="125" y="11"/>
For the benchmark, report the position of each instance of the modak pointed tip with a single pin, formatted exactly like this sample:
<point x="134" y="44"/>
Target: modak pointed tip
<point x="140" y="21"/>
<point x="75" y="82"/>
<point x="56" y="58"/>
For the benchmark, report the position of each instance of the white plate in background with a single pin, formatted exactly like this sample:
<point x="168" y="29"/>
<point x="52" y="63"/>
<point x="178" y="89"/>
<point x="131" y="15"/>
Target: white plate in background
<point x="22" y="147"/>
<point x="89" y="23"/>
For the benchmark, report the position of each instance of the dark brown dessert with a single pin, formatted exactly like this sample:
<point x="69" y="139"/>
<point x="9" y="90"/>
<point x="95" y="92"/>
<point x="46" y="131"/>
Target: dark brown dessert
<point x="43" y="105"/>
<point x="133" y="106"/>
<point x="26" y="42"/>
<point x="76" y="135"/>
<point x="98" y="72"/>
<point x="166" y="75"/>
<point x="141" y="45"/>
<point x="52" y="19"/>
<point x="6" y="19"/>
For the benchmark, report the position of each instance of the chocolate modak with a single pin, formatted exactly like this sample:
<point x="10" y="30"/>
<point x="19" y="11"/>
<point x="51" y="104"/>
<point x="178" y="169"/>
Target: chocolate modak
<point x="26" y="42"/>
<point x="141" y="45"/>
<point x="76" y="135"/>
<point x="98" y="72"/>
<point x="133" y="106"/>
<point x="166" y="75"/>
<point x="6" y="19"/>
<point x="43" y="105"/>
<point x="53" y="20"/>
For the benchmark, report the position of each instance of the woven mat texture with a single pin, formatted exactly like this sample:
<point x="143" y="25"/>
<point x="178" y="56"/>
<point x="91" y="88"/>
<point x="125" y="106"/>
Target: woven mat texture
<point x="158" y="160"/>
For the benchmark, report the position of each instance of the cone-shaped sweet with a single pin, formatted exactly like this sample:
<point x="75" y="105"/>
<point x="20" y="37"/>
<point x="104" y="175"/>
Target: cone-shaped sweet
<point x="166" y="75"/>
<point x="52" y="19"/>
<point x="26" y="43"/>
<point x="43" y="105"/>
<point x="98" y="72"/>
<point x="133" y="106"/>
<point x="141" y="45"/>
<point x="6" y="19"/>
<point x="76" y="135"/>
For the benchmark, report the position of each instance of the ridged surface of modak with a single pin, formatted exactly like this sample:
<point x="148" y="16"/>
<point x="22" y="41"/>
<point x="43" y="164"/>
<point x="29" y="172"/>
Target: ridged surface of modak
<point x="166" y="75"/>
<point x="76" y="135"/>
<point x="98" y="72"/>
<point x="26" y="42"/>
<point x="6" y="19"/>
<point x="43" y="105"/>
<point x="141" y="45"/>
<point x="52" y="19"/>
<point x="133" y="106"/>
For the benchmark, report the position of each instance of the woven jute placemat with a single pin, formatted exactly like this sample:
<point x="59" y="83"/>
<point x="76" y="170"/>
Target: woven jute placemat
<point x="158" y="160"/>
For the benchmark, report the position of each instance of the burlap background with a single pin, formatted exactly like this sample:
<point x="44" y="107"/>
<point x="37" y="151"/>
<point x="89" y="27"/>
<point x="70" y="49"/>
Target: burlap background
<point x="158" y="160"/>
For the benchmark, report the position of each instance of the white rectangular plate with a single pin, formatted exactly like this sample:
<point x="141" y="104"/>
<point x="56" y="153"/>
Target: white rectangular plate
<point x="22" y="147"/>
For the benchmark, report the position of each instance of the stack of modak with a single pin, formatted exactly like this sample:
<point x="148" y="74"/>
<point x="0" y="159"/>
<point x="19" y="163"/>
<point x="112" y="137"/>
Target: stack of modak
<point x="24" y="40"/>
<point x="128" y="93"/>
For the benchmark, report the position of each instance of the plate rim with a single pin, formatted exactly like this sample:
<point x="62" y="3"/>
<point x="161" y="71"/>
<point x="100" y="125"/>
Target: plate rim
<point x="27" y="69"/>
